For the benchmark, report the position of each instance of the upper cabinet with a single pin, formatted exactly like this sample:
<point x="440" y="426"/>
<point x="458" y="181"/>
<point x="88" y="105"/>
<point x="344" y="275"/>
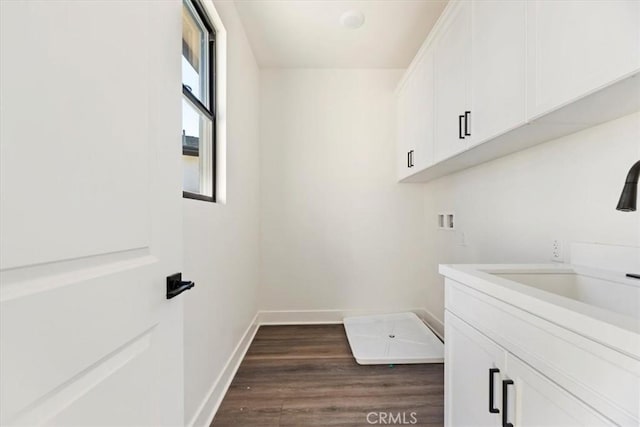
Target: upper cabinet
<point x="452" y="83"/>
<point x="498" y="68"/>
<point x="415" y="119"/>
<point x="403" y="132"/>
<point x="577" y="47"/>
<point x="505" y="73"/>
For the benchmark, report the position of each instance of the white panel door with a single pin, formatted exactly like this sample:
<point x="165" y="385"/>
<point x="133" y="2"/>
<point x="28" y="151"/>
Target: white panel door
<point x="90" y="213"/>
<point x="473" y="366"/>
<point x="577" y="46"/>
<point x="498" y="68"/>
<point x="535" y="401"/>
<point x="452" y="80"/>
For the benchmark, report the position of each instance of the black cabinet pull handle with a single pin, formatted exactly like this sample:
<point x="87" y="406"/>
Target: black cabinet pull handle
<point x="467" y="118"/>
<point x="460" y="119"/>
<point x="492" y="407"/>
<point x="176" y="286"/>
<point x="505" y="403"/>
<point x="410" y="159"/>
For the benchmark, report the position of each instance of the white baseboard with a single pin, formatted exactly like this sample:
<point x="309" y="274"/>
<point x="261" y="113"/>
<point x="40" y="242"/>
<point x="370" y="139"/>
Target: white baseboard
<point x="208" y="408"/>
<point x="312" y="317"/>
<point x="432" y="321"/>
<point x="308" y="317"/>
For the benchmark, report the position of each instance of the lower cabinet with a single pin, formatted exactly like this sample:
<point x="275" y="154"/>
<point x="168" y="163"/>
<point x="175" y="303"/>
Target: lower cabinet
<point x="485" y="385"/>
<point x="473" y="376"/>
<point x="534" y="400"/>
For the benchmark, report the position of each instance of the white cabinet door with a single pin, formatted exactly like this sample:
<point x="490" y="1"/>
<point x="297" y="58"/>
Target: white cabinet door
<point x="498" y="79"/>
<point x="535" y="401"/>
<point x="407" y="128"/>
<point x="415" y="119"/>
<point x="423" y="113"/>
<point x="452" y="82"/>
<point x="90" y="213"/>
<point x="403" y="132"/>
<point x="579" y="46"/>
<point x="473" y="363"/>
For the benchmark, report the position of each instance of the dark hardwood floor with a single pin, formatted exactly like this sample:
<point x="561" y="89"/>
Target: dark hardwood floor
<point x="305" y="376"/>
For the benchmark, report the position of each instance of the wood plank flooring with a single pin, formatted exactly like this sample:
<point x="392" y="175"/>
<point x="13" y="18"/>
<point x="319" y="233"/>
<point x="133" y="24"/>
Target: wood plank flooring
<point x="305" y="376"/>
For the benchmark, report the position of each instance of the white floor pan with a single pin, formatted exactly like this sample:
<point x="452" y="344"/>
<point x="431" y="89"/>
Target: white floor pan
<point x="392" y="339"/>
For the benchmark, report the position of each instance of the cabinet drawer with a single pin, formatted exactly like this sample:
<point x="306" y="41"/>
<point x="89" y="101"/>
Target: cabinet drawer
<point x="605" y="379"/>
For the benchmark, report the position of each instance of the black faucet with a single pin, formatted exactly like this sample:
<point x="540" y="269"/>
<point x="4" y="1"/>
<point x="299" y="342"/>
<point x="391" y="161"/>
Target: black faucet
<point x="629" y="195"/>
<point x="628" y="198"/>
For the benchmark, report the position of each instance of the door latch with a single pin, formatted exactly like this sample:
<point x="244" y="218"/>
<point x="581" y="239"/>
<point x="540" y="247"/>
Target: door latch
<point x="176" y="286"/>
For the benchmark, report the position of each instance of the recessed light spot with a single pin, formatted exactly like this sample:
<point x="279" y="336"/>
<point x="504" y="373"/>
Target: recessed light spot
<point x="352" y="19"/>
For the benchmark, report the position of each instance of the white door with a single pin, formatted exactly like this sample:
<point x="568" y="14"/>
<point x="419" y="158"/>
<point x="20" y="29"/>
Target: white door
<point x="90" y="213"/>
<point x="474" y="367"/>
<point x="498" y="68"/>
<point x="535" y="401"/>
<point x="452" y="75"/>
<point x="579" y="46"/>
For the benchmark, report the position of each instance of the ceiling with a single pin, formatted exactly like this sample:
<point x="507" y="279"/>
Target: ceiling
<point x="308" y="33"/>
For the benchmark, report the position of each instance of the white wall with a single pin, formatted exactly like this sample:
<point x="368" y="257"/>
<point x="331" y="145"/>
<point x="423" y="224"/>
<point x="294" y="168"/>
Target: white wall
<point x="337" y="231"/>
<point x="512" y="208"/>
<point x="314" y="214"/>
<point x="221" y="240"/>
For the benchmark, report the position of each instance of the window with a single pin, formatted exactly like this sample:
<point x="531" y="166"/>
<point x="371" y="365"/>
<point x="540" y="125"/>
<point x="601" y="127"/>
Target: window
<point x="198" y="103"/>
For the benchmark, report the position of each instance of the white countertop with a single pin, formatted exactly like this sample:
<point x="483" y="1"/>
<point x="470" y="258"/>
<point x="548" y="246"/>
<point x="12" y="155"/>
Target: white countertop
<point x="615" y="330"/>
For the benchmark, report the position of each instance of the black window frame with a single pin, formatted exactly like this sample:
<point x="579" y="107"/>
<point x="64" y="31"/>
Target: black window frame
<point x="210" y="112"/>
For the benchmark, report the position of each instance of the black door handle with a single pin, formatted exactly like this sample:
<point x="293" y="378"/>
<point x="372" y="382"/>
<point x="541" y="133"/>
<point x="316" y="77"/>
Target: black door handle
<point x="460" y="119"/>
<point x="505" y="403"/>
<point x="175" y="285"/>
<point x="492" y="407"/>
<point x="467" y="118"/>
<point x="410" y="159"/>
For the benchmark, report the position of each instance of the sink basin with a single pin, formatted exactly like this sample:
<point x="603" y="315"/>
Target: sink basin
<point x="590" y="296"/>
<point x="622" y="297"/>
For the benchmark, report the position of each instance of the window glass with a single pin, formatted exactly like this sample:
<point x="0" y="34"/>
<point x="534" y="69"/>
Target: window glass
<point x="196" y="152"/>
<point x="198" y="118"/>
<point x="194" y="54"/>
